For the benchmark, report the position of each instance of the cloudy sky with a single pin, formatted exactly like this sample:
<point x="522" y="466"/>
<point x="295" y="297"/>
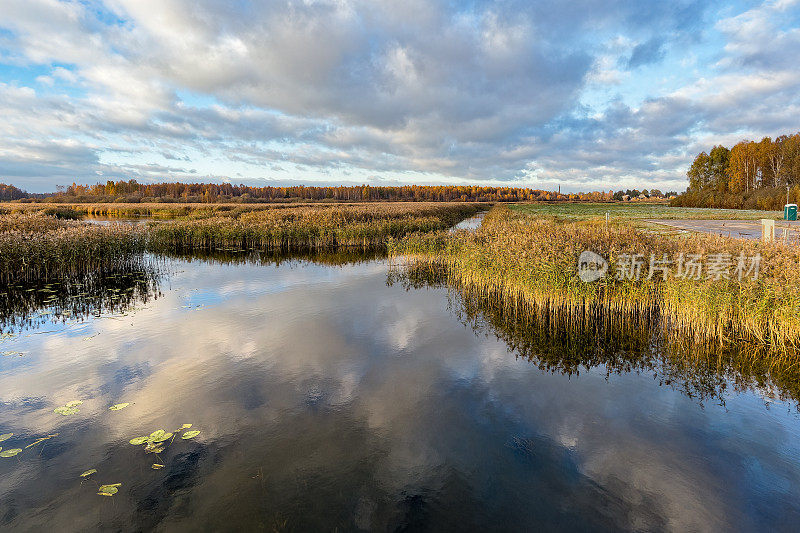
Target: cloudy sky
<point x="584" y="94"/>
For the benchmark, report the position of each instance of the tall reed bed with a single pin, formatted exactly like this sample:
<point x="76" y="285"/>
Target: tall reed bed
<point x="530" y="263"/>
<point x="307" y="228"/>
<point x="36" y="247"/>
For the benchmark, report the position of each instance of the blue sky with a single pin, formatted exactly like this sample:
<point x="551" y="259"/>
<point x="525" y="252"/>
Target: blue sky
<point x="585" y="95"/>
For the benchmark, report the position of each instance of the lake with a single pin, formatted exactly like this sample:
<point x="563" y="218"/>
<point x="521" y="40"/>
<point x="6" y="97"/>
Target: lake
<point x="330" y="395"/>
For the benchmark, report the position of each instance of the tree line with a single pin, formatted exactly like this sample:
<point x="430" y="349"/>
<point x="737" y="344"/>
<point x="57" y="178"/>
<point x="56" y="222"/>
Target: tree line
<point x="132" y="191"/>
<point x="752" y="175"/>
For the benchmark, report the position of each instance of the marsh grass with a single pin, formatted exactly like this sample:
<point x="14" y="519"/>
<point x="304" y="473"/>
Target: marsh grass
<point x="364" y="226"/>
<point x="39" y="245"/>
<point x="36" y="248"/>
<point x="530" y="264"/>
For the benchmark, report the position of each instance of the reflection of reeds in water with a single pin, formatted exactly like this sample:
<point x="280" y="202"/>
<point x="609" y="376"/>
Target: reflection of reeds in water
<point x="30" y="305"/>
<point x="568" y="340"/>
<point x="336" y="257"/>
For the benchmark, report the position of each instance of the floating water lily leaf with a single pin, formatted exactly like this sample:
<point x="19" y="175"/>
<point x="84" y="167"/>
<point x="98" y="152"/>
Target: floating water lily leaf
<point x="10" y="453"/>
<point x="74" y="403"/>
<point x="65" y="411"/>
<point x="157" y="466"/>
<point x="138" y="441"/>
<point x="109" y="490"/>
<point x="118" y="407"/>
<point x="89" y="473"/>
<point x="157" y="434"/>
<point x="6" y="436"/>
<point x="186" y="426"/>
<point x="162" y="438"/>
<point x="190" y="435"/>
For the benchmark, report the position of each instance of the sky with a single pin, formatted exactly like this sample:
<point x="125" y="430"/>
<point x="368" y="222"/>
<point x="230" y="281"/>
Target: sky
<point x="585" y="95"/>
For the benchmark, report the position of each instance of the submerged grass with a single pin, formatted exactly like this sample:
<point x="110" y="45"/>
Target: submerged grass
<point x="530" y="264"/>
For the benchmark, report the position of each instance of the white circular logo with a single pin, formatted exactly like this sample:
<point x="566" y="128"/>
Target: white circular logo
<point x="591" y="266"/>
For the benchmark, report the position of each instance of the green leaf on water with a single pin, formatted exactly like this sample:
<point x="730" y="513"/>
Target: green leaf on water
<point x="74" y="403"/>
<point x="65" y="410"/>
<point x="162" y="438"/>
<point x="109" y="490"/>
<point x="89" y="473"/>
<point x="186" y="426"/>
<point x="138" y="441"/>
<point x="118" y="407"/>
<point x="10" y="453"/>
<point x="190" y="435"/>
<point x="157" y="434"/>
<point x="6" y="436"/>
<point x="157" y="466"/>
<point x="156" y="450"/>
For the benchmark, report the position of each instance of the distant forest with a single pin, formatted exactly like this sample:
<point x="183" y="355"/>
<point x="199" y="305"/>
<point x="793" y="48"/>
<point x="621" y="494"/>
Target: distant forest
<point x="751" y="175"/>
<point x="131" y="191"/>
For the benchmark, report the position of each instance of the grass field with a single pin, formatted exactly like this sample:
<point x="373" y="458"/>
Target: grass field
<point x="630" y="210"/>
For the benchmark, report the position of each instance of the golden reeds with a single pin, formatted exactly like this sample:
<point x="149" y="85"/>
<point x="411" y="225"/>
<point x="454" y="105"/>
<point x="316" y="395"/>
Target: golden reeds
<point x="530" y="263"/>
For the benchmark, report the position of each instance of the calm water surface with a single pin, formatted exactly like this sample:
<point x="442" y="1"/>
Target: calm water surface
<point x="328" y="399"/>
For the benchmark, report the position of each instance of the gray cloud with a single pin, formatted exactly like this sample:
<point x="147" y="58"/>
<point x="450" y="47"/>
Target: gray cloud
<point x="478" y="91"/>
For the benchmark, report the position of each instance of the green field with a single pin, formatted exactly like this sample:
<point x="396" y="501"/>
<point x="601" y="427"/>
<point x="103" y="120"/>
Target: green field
<point x="582" y="211"/>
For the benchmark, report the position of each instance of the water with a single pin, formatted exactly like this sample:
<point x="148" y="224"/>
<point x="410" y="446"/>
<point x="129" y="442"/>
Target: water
<point x="470" y="224"/>
<point x="330" y="399"/>
<point x="107" y="221"/>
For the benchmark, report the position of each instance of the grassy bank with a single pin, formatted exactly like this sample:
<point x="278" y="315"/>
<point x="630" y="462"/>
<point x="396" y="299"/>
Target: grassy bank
<point x="530" y="264"/>
<point x="639" y="210"/>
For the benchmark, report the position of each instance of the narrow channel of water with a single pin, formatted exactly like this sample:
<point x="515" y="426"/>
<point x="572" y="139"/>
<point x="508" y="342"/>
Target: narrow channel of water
<point x="329" y="396"/>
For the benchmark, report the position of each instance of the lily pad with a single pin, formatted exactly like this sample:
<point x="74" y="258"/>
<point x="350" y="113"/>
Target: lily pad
<point x="186" y="426"/>
<point x="190" y="435"/>
<point x="109" y="490"/>
<point x="138" y="441"/>
<point x="65" y="410"/>
<point x="74" y="403"/>
<point x="6" y="436"/>
<point x="162" y="438"/>
<point x="89" y="473"/>
<point x="10" y="453"/>
<point x="157" y="466"/>
<point x="157" y="434"/>
<point x="118" y="407"/>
